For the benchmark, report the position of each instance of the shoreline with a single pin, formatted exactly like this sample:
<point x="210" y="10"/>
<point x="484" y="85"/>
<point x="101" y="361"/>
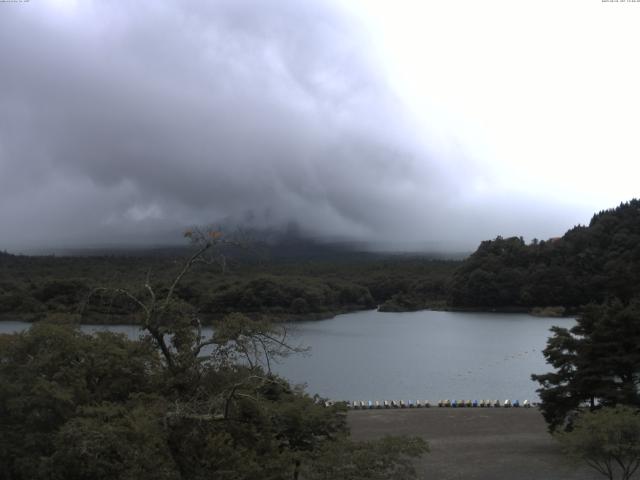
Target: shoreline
<point x="286" y="317"/>
<point x="207" y="319"/>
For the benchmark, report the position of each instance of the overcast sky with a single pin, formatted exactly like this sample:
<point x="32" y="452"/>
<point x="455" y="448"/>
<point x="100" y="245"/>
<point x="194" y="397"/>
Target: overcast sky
<point x="407" y="123"/>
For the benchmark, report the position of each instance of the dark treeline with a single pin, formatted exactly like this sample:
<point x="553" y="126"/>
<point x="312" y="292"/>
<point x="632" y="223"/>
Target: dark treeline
<point x="39" y="287"/>
<point x="588" y="264"/>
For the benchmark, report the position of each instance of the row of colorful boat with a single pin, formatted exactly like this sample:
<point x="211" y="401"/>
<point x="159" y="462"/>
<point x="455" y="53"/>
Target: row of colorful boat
<point x="363" y="405"/>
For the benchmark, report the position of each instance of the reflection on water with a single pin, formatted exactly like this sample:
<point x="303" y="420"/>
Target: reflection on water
<point x="418" y="355"/>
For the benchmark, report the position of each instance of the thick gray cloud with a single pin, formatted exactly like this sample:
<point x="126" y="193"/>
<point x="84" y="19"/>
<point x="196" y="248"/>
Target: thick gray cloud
<point x="128" y="121"/>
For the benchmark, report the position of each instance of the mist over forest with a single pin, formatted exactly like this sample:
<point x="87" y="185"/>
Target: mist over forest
<point x="441" y="198"/>
<point x="126" y="124"/>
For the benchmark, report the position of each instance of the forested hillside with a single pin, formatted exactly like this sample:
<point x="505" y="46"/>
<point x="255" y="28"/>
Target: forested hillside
<point x="588" y="264"/>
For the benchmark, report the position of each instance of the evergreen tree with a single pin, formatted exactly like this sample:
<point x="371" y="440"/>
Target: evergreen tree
<point x="588" y="264"/>
<point x="597" y="363"/>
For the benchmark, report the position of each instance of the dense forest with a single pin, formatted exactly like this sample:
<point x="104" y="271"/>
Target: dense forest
<point x="39" y="287"/>
<point x="588" y="264"/>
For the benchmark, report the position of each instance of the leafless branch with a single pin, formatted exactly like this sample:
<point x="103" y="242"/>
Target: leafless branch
<point x="184" y="270"/>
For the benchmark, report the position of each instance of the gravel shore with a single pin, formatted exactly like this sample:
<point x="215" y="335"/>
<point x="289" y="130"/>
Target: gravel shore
<point x="475" y="443"/>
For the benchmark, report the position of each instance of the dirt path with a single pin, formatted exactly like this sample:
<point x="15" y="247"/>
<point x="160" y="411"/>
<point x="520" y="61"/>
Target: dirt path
<point x="475" y="443"/>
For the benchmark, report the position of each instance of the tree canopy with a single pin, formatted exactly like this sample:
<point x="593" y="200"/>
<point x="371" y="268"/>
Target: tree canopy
<point x="174" y="404"/>
<point x="608" y="440"/>
<point x="597" y="363"/>
<point x="40" y="287"/>
<point x="588" y="264"/>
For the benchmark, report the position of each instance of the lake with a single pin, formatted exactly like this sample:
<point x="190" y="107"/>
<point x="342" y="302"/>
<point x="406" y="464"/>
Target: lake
<point x="422" y="355"/>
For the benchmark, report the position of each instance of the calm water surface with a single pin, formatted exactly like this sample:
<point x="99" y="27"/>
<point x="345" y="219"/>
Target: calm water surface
<point x="418" y="355"/>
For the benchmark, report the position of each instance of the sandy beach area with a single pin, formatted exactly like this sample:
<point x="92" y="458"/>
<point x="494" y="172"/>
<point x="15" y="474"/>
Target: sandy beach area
<point x="475" y="443"/>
